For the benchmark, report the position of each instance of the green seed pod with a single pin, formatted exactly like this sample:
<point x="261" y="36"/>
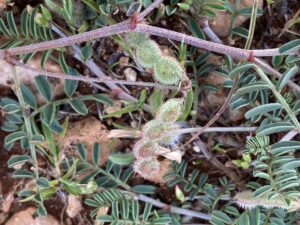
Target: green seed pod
<point x="146" y="167"/>
<point x="145" y="149"/>
<point x="168" y="71"/>
<point x="135" y="39"/>
<point x="170" y="111"/>
<point x="148" y="54"/>
<point x="154" y="130"/>
<point x="247" y="200"/>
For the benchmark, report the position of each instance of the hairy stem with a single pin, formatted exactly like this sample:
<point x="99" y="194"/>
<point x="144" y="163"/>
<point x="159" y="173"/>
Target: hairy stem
<point x="213" y="129"/>
<point x="124" y="27"/>
<point x="37" y="72"/>
<point x="173" y="209"/>
<point x="26" y="116"/>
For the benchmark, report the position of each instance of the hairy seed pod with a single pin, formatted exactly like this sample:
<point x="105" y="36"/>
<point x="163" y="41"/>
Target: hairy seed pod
<point x="168" y="70"/>
<point x="246" y="200"/>
<point x="145" y="149"/>
<point x="146" y="167"/>
<point x="148" y="54"/>
<point x="154" y="130"/>
<point x="135" y="39"/>
<point x="170" y="111"/>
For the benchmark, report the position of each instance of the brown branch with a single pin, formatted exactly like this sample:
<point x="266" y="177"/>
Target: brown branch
<point x="216" y="116"/>
<point x="123" y="27"/>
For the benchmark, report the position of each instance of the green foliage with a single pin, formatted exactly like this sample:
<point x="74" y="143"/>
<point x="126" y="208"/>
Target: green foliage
<point x="235" y="11"/>
<point x="271" y="197"/>
<point x="129" y="211"/>
<point x="104" y="198"/>
<point x="28" y="33"/>
<point x="271" y="166"/>
<point x="201" y="8"/>
<point x="244" y="162"/>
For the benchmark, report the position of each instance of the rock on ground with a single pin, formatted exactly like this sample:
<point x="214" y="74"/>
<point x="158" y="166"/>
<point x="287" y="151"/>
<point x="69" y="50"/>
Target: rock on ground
<point x="25" y="218"/>
<point x="88" y="131"/>
<point x="74" y="206"/>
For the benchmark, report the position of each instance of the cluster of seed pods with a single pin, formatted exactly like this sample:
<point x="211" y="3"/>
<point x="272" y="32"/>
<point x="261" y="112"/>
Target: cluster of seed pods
<point x="167" y="70"/>
<point x="155" y="132"/>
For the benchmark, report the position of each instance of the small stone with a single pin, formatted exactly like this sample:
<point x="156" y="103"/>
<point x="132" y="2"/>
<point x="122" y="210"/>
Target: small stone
<point x="8" y="201"/>
<point x="74" y="206"/>
<point x="101" y="212"/>
<point x="130" y="74"/>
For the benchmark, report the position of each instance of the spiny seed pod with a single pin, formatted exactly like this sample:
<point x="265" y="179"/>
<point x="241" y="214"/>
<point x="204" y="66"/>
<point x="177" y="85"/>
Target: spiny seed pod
<point x="145" y="149"/>
<point x="170" y="111"/>
<point x="146" y="167"/>
<point x="148" y="53"/>
<point x="168" y="70"/>
<point x="247" y="200"/>
<point x="154" y="130"/>
<point x="135" y="39"/>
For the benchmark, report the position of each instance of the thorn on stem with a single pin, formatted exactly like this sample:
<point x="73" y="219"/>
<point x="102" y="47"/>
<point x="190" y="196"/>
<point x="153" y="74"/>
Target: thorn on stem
<point x="251" y="57"/>
<point x="133" y="21"/>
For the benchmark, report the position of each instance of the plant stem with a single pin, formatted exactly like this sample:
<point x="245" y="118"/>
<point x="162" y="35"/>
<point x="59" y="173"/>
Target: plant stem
<point x="124" y="27"/>
<point x="252" y="25"/>
<point x="213" y="129"/>
<point x="37" y="72"/>
<point x="279" y="98"/>
<point x="98" y="72"/>
<point x="173" y="209"/>
<point x="115" y="179"/>
<point x="210" y="33"/>
<point x="26" y="116"/>
<point x="217" y="115"/>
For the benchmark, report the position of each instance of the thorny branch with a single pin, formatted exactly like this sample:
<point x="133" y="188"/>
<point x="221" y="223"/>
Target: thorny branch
<point x="123" y="27"/>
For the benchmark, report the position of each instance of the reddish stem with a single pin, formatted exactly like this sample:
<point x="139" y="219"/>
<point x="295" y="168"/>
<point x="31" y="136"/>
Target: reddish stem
<point x="251" y="57"/>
